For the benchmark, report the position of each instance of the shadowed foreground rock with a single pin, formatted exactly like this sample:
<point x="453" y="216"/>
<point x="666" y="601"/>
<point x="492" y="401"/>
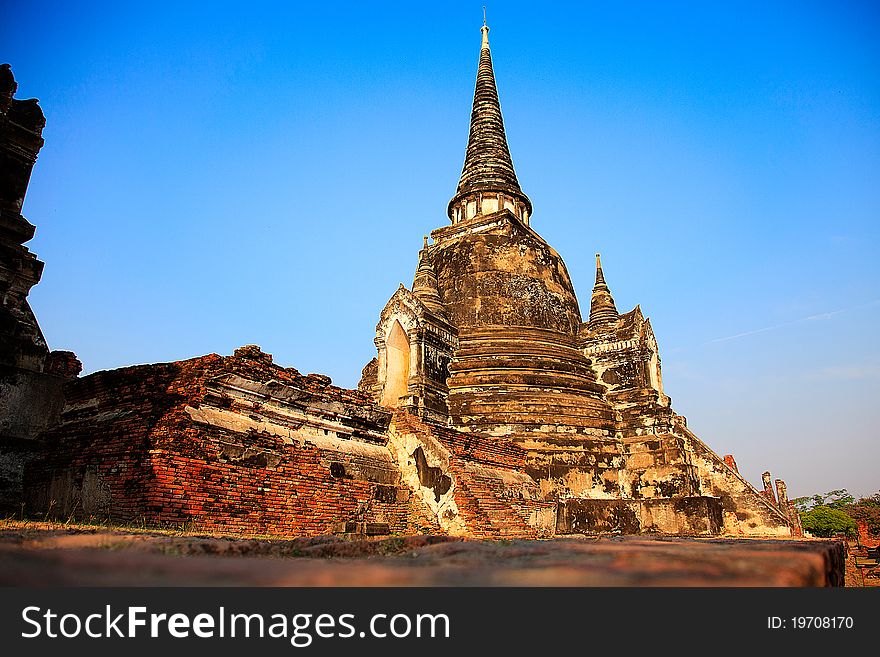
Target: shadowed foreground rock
<point x="112" y="558"/>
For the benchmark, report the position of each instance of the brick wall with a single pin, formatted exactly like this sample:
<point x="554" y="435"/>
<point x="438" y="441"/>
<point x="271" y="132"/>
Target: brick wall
<point x="481" y="449"/>
<point x="307" y="492"/>
<point x="128" y="450"/>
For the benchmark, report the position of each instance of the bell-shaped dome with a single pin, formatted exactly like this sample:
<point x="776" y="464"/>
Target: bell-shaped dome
<point x="503" y="273"/>
<point x="517" y="369"/>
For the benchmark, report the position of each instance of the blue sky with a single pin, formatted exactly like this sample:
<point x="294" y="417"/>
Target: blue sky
<point x="223" y="174"/>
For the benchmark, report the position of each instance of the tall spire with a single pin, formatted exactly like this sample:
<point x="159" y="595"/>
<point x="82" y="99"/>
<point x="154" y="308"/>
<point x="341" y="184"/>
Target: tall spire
<point x="603" y="310"/>
<point x="488" y="181"/>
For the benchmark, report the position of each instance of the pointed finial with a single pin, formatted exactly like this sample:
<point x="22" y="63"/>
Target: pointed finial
<point x="603" y="311"/>
<point x="484" y="14"/>
<point x="426" y="242"/>
<point x="485" y="31"/>
<point x="600" y="276"/>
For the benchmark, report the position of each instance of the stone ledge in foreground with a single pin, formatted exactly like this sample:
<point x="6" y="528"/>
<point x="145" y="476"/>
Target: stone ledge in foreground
<point x="70" y="557"/>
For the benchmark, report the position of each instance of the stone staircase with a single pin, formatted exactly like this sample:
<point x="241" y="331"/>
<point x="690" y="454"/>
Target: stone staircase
<point x="485" y="512"/>
<point x="484" y="508"/>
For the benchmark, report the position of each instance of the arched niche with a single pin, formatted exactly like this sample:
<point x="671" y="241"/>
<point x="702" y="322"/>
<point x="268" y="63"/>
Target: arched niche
<point x="397" y="354"/>
<point x="654" y="372"/>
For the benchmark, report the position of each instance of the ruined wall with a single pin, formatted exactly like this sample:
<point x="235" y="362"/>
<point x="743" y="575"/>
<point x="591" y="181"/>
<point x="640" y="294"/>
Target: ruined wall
<point x="658" y="465"/>
<point x="260" y="485"/>
<point x="669" y="482"/>
<point x="657" y="491"/>
<point x="745" y="511"/>
<point x="30" y="402"/>
<point x="694" y="515"/>
<point x="240" y="445"/>
<point x="31" y="378"/>
<point x="568" y="465"/>
<point x="187" y="443"/>
<point x="96" y="462"/>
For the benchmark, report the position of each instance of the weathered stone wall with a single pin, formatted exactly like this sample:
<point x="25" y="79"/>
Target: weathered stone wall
<point x="695" y="515"/>
<point x="745" y="510"/>
<point x="30" y="402"/>
<point x="658" y="466"/>
<point x="570" y="465"/>
<point x="170" y="443"/>
<point x="96" y="462"/>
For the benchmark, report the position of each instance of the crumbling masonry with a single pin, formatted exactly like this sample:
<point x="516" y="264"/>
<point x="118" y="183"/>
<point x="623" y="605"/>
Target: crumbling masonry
<point x="492" y="409"/>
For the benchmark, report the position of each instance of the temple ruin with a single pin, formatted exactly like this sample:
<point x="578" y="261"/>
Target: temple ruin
<point x="493" y="408"/>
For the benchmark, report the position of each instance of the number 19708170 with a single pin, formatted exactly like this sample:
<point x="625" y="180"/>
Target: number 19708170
<point x="810" y="623"/>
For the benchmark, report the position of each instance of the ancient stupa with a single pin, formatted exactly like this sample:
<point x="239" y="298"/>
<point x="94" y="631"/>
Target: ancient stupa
<point x="491" y="340"/>
<point x="491" y="409"/>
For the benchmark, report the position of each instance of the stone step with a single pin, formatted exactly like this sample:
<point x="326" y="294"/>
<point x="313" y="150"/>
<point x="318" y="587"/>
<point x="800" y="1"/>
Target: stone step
<point x="494" y="514"/>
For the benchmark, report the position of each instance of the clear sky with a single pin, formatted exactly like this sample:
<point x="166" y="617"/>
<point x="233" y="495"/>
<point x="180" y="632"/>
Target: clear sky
<point x="230" y="173"/>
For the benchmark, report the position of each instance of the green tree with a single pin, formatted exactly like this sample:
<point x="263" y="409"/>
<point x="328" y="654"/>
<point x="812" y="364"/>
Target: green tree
<point x="825" y="521"/>
<point x="834" y="499"/>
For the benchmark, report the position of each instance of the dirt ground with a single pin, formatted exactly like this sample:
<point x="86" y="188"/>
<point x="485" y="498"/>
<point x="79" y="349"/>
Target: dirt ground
<point x="58" y="554"/>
